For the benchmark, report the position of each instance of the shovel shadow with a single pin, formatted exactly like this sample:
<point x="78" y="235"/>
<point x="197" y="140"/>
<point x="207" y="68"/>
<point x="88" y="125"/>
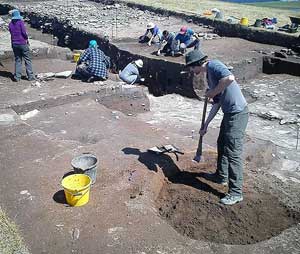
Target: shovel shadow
<point x="170" y="170"/>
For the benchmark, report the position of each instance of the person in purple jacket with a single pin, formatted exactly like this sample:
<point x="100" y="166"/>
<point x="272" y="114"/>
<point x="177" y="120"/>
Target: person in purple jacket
<point x="20" y="46"/>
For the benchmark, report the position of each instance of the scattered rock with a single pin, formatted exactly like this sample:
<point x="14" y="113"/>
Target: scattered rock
<point x="289" y="121"/>
<point x="29" y="114"/>
<point x="271" y="94"/>
<point x="63" y="74"/>
<point x="36" y="84"/>
<point x="280" y="54"/>
<point x="270" y="115"/>
<point x="6" y="119"/>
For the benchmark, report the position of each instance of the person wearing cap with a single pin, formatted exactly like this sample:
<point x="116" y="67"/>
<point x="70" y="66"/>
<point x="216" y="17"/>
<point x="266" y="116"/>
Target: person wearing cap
<point x="154" y="31"/>
<point x="171" y="46"/>
<point x="225" y="92"/>
<point x="93" y="64"/>
<point x="187" y="38"/>
<point x="20" y="46"/>
<point x="130" y="73"/>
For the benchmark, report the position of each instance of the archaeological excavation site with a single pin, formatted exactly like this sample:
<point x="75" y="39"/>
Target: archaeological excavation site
<point x="96" y="164"/>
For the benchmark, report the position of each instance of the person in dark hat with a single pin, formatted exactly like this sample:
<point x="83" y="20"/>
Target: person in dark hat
<point x="20" y="46"/>
<point x="226" y="94"/>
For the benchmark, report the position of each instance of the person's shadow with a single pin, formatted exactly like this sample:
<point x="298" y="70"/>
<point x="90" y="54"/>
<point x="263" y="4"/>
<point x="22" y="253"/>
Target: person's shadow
<point x="170" y="170"/>
<point x="6" y="74"/>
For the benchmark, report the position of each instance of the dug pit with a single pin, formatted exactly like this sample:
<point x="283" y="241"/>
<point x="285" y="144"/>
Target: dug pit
<point x="190" y="204"/>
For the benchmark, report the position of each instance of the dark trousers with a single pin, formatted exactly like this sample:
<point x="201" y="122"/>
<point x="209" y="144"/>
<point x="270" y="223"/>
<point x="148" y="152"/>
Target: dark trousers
<point x="83" y="73"/>
<point x="230" y="149"/>
<point x="20" y="52"/>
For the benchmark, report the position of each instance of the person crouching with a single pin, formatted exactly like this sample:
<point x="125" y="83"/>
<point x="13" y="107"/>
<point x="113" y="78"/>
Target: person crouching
<point x="93" y="64"/>
<point x="131" y="74"/>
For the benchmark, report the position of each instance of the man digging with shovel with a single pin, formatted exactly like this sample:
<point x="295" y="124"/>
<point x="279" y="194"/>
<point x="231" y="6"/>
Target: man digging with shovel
<point x="226" y="94"/>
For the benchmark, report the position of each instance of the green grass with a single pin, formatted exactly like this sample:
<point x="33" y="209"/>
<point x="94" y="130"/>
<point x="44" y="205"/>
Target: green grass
<point x="10" y="240"/>
<point x="252" y="12"/>
<point x="279" y="5"/>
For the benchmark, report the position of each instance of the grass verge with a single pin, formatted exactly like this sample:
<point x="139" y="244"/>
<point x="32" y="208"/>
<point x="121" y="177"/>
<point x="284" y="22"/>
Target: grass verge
<point x="10" y="240"/>
<point x="229" y="9"/>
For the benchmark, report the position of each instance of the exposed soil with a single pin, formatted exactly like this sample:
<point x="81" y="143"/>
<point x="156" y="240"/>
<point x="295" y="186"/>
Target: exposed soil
<point x="191" y="205"/>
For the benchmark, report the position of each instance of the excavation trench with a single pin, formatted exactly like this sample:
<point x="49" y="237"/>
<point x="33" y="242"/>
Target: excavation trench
<point x="188" y="201"/>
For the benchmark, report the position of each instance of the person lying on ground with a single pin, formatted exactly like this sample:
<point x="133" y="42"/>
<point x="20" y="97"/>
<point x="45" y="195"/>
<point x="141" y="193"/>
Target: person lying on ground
<point x="93" y="64"/>
<point x="131" y="74"/>
<point x="226" y="94"/>
<point x="20" y="46"/>
<point x="170" y="47"/>
<point x="187" y="38"/>
<point x="155" y="33"/>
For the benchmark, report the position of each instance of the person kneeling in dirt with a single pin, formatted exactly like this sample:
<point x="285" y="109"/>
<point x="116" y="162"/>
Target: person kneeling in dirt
<point x="154" y="31"/>
<point x="226" y="94"/>
<point x="187" y="38"/>
<point x="93" y="64"/>
<point x="171" y="46"/>
<point x="131" y="74"/>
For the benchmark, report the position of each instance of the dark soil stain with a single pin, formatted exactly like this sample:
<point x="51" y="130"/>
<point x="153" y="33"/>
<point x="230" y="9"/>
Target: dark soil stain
<point x="191" y="205"/>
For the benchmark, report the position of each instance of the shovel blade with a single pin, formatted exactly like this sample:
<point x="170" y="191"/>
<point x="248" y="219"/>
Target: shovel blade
<point x="197" y="158"/>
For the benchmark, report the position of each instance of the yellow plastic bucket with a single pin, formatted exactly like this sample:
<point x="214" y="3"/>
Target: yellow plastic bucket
<point x="77" y="189"/>
<point x="76" y="57"/>
<point x="244" y="21"/>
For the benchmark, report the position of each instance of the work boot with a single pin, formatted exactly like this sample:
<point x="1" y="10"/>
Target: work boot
<point x="214" y="177"/>
<point x="31" y="78"/>
<point x="230" y="199"/>
<point x="15" y="79"/>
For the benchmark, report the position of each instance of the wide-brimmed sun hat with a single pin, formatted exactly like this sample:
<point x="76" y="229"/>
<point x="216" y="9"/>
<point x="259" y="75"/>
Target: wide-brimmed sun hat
<point x="15" y="14"/>
<point x="195" y="56"/>
<point x="139" y="63"/>
<point x="150" y="25"/>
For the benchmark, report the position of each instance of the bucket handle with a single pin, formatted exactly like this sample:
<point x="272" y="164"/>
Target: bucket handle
<point x="78" y="193"/>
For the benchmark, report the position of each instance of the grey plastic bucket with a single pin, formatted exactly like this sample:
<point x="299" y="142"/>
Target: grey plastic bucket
<point x="86" y="164"/>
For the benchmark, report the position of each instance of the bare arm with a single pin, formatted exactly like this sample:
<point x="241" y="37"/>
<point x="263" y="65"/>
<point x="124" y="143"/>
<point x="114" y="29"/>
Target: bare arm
<point x="223" y="83"/>
<point x="212" y="113"/>
<point x="150" y="41"/>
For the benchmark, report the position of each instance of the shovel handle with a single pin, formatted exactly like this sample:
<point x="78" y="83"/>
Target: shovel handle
<point x="199" y="149"/>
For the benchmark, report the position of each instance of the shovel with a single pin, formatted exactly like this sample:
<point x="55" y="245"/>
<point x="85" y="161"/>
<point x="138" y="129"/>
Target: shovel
<point x="198" y="155"/>
<point x="166" y="149"/>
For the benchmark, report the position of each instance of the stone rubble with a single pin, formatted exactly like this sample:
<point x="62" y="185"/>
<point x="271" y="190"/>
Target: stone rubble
<point x="90" y="15"/>
<point x="105" y="20"/>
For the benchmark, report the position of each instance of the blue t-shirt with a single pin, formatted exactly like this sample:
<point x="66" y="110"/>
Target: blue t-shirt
<point x="231" y="99"/>
<point x="185" y="37"/>
<point x="155" y="32"/>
